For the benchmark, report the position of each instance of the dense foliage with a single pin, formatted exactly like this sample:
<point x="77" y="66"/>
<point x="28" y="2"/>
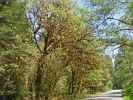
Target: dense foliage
<point x="124" y="72"/>
<point x="72" y="63"/>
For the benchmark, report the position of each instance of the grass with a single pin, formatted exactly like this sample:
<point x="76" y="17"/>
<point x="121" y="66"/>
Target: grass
<point x="126" y="98"/>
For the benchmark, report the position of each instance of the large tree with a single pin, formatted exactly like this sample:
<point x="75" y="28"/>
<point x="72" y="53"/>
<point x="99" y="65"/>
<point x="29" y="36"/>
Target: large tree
<point x="68" y="38"/>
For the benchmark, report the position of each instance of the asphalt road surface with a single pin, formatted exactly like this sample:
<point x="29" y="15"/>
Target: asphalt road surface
<point x="110" y="95"/>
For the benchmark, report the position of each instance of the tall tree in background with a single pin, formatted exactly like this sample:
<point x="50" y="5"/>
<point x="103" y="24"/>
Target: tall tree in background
<point x="116" y="29"/>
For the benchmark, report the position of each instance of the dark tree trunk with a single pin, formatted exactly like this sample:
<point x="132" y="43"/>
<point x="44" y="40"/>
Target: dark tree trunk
<point x="71" y="87"/>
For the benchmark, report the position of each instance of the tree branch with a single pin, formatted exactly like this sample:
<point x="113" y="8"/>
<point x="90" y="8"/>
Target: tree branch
<point x="122" y="21"/>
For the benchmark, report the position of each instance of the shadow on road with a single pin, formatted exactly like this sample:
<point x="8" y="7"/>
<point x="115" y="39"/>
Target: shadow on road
<point x="109" y="95"/>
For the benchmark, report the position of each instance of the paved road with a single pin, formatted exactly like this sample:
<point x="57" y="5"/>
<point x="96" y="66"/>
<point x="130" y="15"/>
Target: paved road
<point x="110" y="95"/>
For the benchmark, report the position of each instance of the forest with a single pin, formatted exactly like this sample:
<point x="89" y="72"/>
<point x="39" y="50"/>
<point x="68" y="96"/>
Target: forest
<point x="65" y="49"/>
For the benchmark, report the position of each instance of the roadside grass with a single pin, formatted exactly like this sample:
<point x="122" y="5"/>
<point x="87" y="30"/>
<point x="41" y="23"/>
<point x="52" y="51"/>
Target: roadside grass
<point x="126" y="98"/>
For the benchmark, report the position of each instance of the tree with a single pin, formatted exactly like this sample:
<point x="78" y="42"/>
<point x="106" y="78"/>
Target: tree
<point x="67" y="44"/>
<point x="124" y="71"/>
<point x="16" y="50"/>
<point x="115" y="28"/>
